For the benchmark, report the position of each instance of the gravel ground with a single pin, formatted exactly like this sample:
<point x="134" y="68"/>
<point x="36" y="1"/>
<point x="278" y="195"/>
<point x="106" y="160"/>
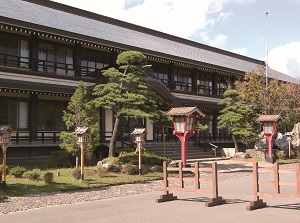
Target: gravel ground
<point x="226" y="170"/>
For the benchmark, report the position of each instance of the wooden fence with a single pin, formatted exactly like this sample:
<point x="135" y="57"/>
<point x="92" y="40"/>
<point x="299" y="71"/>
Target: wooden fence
<point x="215" y="200"/>
<point x="276" y="183"/>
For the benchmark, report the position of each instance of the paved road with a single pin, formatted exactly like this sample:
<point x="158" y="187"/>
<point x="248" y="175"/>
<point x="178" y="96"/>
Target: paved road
<point x="190" y="208"/>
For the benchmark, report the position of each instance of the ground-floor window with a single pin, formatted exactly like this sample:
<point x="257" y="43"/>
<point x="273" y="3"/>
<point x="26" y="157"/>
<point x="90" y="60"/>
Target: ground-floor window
<point x="50" y="115"/>
<point x="14" y="113"/>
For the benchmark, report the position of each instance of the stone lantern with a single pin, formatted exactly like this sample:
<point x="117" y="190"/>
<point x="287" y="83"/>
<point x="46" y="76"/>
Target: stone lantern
<point x="184" y="121"/>
<point x="82" y="136"/>
<point x="139" y="135"/>
<point x="270" y="129"/>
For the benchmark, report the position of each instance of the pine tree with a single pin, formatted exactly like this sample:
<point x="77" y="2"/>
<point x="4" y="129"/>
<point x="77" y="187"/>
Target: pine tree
<point x="238" y="117"/>
<point x="127" y="92"/>
<point x="80" y="113"/>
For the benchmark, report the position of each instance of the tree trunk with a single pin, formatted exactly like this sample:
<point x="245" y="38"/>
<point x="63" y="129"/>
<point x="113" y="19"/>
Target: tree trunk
<point x="236" y="146"/>
<point x="111" y="150"/>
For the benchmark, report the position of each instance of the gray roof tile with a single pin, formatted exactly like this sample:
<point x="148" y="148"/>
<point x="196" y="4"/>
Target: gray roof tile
<point x="161" y="43"/>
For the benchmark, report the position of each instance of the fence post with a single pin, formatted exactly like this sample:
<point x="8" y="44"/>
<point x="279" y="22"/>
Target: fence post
<point x="257" y="203"/>
<point x="216" y="200"/>
<point x="166" y="183"/>
<point x="197" y="175"/>
<point x="166" y="196"/>
<point x="214" y="179"/>
<point x="298" y="178"/>
<point x="276" y="178"/>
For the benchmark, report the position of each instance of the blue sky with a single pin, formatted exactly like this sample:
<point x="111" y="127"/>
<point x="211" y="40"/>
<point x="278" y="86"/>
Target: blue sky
<point x="234" y="25"/>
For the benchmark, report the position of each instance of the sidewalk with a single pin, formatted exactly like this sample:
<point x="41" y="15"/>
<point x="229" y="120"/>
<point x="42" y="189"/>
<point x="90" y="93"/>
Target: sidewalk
<point x="189" y="208"/>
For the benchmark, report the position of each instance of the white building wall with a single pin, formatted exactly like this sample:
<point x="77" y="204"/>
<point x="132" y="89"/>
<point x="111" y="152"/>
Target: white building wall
<point x="149" y="129"/>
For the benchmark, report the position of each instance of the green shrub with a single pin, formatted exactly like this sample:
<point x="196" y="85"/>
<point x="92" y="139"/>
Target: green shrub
<point x="149" y="159"/>
<point x="130" y="169"/>
<point x="59" y="159"/>
<point x="48" y="178"/>
<point x="34" y="174"/>
<point x="17" y="171"/>
<point x="76" y="173"/>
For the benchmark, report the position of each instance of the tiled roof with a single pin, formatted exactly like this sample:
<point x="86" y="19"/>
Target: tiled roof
<point x="128" y="36"/>
<point x="269" y="118"/>
<point x="184" y="111"/>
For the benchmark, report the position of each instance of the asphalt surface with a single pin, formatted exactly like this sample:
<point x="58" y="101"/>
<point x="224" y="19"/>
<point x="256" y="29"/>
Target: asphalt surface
<point x="189" y="208"/>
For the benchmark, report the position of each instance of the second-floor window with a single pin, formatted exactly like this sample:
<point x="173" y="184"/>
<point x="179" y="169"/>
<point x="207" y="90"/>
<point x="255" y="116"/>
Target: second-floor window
<point x="183" y="79"/>
<point x="204" y="84"/>
<point x="92" y="62"/>
<point x="161" y="72"/>
<point x="14" y="51"/>
<point x="55" y="59"/>
<point x="222" y="85"/>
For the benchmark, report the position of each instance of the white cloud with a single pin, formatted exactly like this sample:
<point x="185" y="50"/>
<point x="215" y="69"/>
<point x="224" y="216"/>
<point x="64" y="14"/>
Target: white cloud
<point x="286" y="59"/>
<point x="220" y="40"/>
<point x="174" y="17"/>
<point x="194" y="20"/>
<point x="241" y="51"/>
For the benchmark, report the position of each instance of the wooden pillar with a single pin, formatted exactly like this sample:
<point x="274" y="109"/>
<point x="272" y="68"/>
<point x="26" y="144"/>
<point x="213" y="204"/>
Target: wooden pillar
<point x="82" y="161"/>
<point x="4" y="167"/>
<point x="34" y="52"/>
<point x="77" y="59"/>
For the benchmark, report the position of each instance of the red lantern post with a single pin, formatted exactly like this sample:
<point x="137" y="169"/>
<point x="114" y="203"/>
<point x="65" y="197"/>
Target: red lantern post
<point x="184" y="121"/>
<point x="270" y="128"/>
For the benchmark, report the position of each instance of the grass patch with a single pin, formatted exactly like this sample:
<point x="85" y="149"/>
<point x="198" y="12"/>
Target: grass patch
<point x="65" y="181"/>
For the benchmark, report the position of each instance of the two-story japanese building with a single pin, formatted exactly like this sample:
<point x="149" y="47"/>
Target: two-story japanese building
<point x="46" y="48"/>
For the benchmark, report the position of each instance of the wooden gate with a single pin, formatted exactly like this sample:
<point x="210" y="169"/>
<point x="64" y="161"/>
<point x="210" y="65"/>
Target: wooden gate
<point x="215" y="200"/>
<point x="276" y="183"/>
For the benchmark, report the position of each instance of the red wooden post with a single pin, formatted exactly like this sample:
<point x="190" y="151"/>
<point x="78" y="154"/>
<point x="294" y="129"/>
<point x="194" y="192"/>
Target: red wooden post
<point x="276" y="179"/>
<point x="183" y="150"/>
<point x="180" y="175"/>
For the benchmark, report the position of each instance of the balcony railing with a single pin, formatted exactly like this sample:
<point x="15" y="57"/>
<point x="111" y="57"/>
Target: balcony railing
<point x="42" y="137"/>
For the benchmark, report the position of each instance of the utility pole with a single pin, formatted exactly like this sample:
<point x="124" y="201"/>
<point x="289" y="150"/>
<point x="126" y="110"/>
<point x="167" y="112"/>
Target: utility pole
<point x="267" y="91"/>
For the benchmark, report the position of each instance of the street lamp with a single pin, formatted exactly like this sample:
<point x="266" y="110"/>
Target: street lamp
<point x="139" y="135"/>
<point x="270" y="128"/>
<point x="5" y="140"/>
<point x="184" y="121"/>
<point x="82" y="135"/>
